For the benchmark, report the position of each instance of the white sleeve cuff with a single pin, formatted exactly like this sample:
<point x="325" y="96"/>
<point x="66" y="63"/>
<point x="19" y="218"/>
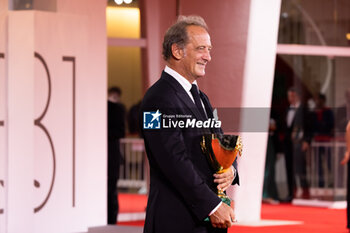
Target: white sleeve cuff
<point x="215" y="209"/>
<point x="234" y="172"/>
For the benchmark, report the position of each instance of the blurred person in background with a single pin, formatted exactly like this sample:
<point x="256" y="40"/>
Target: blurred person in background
<point x="343" y="162"/>
<point x="323" y="131"/>
<point x="270" y="194"/>
<point x="347" y="156"/>
<point x="133" y="120"/>
<point x="116" y="130"/>
<point x="296" y="144"/>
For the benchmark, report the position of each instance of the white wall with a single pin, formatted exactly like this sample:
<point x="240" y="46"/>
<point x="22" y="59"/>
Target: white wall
<point x="19" y="122"/>
<point x="3" y="115"/>
<point x="66" y="152"/>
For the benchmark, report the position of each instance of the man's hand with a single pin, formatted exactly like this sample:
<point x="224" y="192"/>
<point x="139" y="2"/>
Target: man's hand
<point x="225" y="179"/>
<point x="223" y="217"/>
<point x="305" y="146"/>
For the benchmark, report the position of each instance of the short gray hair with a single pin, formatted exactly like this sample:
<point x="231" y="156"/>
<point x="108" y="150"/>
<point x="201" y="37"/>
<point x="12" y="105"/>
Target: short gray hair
<point x="177" y="33"/>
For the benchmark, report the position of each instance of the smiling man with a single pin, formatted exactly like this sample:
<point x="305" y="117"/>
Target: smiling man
<point x="183" y="185"/>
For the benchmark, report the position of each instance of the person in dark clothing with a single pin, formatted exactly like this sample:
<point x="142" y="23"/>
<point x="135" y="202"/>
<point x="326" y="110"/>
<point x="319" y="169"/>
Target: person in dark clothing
<point x="133" y="119"/>
<point x="323" y="120"/>
<point x="343" y="162"/>
<point x="270" y="194"/>
<point x="116" y="130"/>
<point x="323" y="126"/>
<point x="183" y="185"/>
<point x="347" y="156"/>
<point x="296" y="142"/>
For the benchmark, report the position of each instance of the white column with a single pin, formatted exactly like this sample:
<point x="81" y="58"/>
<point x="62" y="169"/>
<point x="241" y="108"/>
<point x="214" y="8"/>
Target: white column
<point x="3" y="116"/>
<point x="257" y="93"/>
<point x="20" y="122"/>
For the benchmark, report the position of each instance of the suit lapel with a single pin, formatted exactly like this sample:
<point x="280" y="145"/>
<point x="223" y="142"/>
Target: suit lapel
<point x="189" y="103"/>
<point x="296" y="118"/>
<point x="208" y="108"/>
<point x="183" y="96"/>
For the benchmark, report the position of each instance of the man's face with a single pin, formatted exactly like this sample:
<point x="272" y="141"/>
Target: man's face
<point x="196" y="53"/>
<point x="292" y="97"/>
<point x="114" y="97"/>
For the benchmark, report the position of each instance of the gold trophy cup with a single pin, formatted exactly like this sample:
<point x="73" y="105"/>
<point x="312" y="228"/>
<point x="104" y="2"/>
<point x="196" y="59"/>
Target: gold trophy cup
<point x="221" y="151"/>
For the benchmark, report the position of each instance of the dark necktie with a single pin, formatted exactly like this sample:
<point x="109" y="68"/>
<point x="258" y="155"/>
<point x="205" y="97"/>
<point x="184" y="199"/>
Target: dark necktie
<point x="197" y="100"/>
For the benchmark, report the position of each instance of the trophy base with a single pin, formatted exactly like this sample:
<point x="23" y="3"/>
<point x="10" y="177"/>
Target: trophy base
<point x="225" y="199"/>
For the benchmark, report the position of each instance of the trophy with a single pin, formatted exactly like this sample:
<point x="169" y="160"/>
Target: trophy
<point x="221" y="151"/>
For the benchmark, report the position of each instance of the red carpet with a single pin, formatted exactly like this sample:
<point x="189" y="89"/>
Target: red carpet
<point x="132" y="203"/>
<point x="316" y="220"/>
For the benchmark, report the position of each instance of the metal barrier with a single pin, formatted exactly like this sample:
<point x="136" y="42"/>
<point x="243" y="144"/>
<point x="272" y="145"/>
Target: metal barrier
<point x="134" y="167"/>
<point x="326" y="175"/>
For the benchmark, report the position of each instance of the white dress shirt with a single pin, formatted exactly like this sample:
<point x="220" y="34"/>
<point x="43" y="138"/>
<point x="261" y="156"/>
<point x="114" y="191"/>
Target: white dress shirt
<point x="184" y="83"/>
<point x="291" y="113"/>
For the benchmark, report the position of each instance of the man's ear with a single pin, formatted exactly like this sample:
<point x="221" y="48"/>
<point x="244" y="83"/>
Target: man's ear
<point x="177" y="52"/>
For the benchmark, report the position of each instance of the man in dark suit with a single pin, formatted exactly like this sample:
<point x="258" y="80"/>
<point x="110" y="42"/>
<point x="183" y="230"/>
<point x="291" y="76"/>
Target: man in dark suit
<point x="116" y="130"/>
<point x="323" y="131"/>
<point x="183" y="185"/>
<point x="297" y="141"/>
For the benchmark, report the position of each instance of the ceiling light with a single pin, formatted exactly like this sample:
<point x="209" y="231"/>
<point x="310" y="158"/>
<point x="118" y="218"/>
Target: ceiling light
<point x="118" y="1"/>
<point x="348" y="36"/>
<point x="127" y="1"/>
